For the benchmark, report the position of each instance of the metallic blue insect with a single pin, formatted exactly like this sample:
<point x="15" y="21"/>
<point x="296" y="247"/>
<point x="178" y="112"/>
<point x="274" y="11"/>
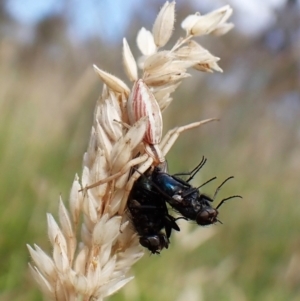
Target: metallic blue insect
<point x="186" y="199"/>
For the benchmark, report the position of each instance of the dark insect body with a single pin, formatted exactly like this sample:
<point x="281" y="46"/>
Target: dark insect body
<point x="148" y="208"/>
<point x="185" y="198"/>
<point x="149" y="215"/>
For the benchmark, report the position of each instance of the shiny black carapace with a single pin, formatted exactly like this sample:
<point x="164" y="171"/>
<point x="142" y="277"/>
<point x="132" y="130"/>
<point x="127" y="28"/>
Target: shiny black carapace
<point x="185" y="198"/>
<point x="149" y="215"/>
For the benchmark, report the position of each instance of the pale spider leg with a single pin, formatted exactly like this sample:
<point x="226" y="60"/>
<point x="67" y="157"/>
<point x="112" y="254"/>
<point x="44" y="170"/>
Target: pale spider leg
<point x="126" y="167"/>
<point x="172" y="135"/>
<point x="131" y="181"/>
<point x="167" y="142"/>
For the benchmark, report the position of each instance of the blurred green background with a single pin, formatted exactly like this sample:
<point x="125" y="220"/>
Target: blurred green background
<point x="47" y="94"/>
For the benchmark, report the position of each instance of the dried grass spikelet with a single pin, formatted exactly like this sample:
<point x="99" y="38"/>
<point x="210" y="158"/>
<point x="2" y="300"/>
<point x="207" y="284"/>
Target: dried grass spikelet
<point x="95" y="265"/>
<point x="164" y="24"/>
<point x="197" y="25"/>
<point x="163" y="70"/>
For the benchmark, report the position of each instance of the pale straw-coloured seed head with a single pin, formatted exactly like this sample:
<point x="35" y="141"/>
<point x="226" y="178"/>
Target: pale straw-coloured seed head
<point x="164" y="24"/>
<point x="145" y="42"/>
<point x="197" y="25"/>
<point x="222" y="29"/>
<point x="163" y="70"/>
<point x="114" y="83"/>
<point x="94" y="264"/>
<point x="130" y="66"/>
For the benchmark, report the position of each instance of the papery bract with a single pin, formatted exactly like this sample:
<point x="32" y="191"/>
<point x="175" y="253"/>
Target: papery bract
<point x="164" y="23"/>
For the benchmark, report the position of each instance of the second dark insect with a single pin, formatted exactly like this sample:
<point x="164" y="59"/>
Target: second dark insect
<point x="149" y="215"/>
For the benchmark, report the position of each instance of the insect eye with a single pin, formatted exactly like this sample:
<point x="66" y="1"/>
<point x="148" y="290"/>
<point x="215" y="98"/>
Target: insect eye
<point x="150" y="242"/>
<point x="207" y="216"/>
<point x="155" y="243"/>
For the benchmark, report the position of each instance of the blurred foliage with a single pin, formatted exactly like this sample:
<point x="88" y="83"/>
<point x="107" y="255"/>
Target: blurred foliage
<point x="48" y="91"/>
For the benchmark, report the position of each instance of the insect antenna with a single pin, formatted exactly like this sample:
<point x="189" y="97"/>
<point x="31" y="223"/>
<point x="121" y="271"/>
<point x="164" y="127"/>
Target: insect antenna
<point x="217" y="190"/>
<point x="212" y="179"/>
<point x="231" y="197"/>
